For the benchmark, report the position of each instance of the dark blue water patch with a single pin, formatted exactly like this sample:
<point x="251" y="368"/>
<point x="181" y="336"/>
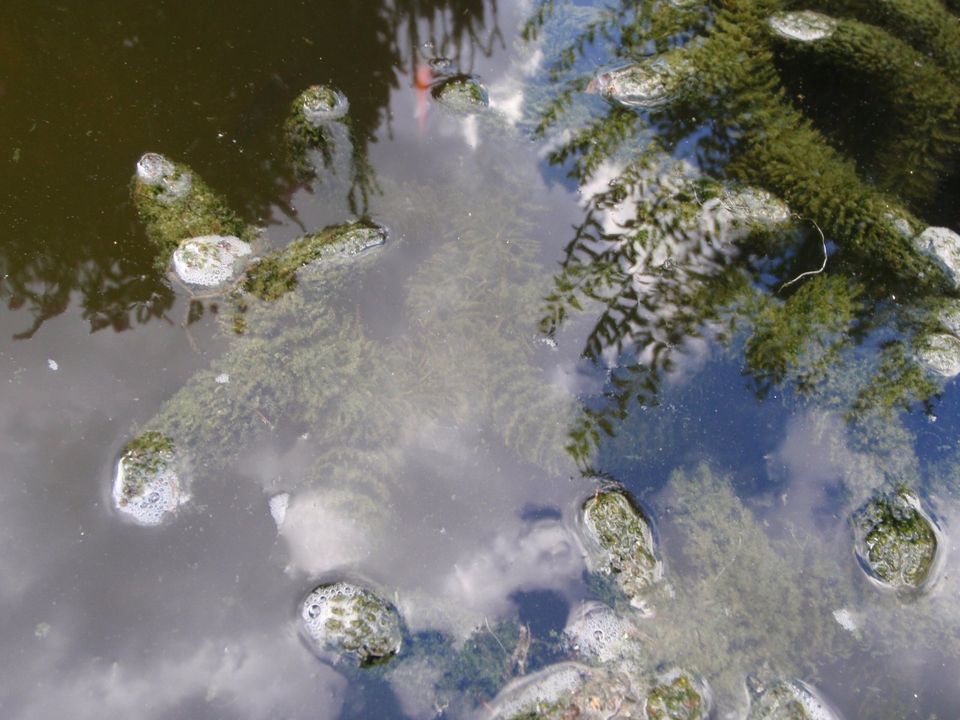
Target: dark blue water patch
<point x="544" y="612"/>
<point x="370" y="697"/>
<point x="936" y="432"/>
<point x="714" y="417"/>
<point x="533" y="513"/>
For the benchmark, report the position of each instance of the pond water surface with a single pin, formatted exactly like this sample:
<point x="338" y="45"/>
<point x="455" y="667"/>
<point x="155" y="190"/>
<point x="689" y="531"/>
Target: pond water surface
<point x="567" y="298"/>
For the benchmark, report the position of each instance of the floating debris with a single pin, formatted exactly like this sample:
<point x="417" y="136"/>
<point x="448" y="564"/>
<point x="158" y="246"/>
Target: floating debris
<point x="896" y="543"/>
<point x="786" y="700"/>
<point x="278" y="508"/>
<point x="209" y="260"/>
<point x="802" y="26"/>
<point x="222" y="379"/>
<point x="846" y="619"/>
<point x="147" y="485"/>
<point x="619" y="541"/>
<point x="646" y="85"/>
<point x="347" y="619"/>
<point x="52" y="364"/>
<point x="461" y="94"/>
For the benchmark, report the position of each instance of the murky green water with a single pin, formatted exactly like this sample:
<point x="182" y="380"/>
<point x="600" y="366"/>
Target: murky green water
<point x="604" y="276"/>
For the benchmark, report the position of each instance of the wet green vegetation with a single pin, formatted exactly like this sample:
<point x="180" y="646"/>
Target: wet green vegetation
<point x="720" y="87"/>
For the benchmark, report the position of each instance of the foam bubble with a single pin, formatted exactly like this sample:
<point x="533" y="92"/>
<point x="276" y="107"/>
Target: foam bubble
<point x="323" y="104"/>
<point x="942" y="246"/>
<point x="147" y="486"/>
<point x="802" y="26"/>
<point x="278" y="508"/>
<point x="347" y="619"/>
<point x="209" y="260"/>
<point x="596" y="632"/>
<point x="545" y="687"/>
<point x="155" y="169"/>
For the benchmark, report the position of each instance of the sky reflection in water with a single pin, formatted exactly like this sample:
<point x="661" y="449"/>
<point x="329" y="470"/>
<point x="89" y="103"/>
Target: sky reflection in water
<point x="196" y="619"/>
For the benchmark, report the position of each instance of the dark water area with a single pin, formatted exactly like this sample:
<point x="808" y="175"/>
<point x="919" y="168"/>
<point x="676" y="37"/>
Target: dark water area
<point x="591" y="279"/>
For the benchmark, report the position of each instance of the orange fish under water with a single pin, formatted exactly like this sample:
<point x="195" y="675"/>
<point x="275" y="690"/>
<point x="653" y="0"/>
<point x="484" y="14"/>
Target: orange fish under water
<point x="422" y="80"/>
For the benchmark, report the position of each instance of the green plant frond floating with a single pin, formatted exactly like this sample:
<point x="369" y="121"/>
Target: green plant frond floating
<point x="718" y="200"/>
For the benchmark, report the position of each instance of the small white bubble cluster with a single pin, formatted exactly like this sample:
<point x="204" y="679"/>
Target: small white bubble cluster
<point x="209" y="260"/>
<point x="802" y="26"/>
<point x="156" y="495"/>
<point x="597" y="632"/>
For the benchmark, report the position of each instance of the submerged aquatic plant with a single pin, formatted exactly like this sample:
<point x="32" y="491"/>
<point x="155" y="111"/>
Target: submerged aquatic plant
<point x="715" y="84"/>
<point x="305" y="363"/>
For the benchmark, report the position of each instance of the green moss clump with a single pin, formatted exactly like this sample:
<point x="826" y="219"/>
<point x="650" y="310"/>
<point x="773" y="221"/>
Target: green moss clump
<point x="620" y="542"/>
<point x="276" y="273"/>
<point x="309" y="128"/>
<point x="461" y="94"/>
<point x="169" y="219"/>
<point x="144" y="458"/>
<point x="676" y="699"/>
<point x="896" y="542"/>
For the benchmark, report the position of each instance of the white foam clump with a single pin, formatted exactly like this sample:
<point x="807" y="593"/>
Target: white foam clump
<point x="802" y="26"/>
<point x="155" y="169"/>
<point x="544" y="687"/>
<point x="209" y="260"/>
<point x="318" y="110"/>
<point x="942" y="246"/>
<point x="347" y="618"/>
<point x="845" y="619"/>
<point x="754" y="205"/>
<point x="596" y="632"/>
<point x="940" y="355"/>
<point x="278" y="508"/>
<point x="158" y="494"/>
<point x="815" y="707"/>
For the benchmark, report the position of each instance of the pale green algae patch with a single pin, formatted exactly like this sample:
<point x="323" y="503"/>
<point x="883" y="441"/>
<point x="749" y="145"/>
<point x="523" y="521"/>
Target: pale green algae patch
<point x="348" y="619"/>
<point x="174" y="205"/>
<point x="896" y="542"/>
<point x="739" y="597"/>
